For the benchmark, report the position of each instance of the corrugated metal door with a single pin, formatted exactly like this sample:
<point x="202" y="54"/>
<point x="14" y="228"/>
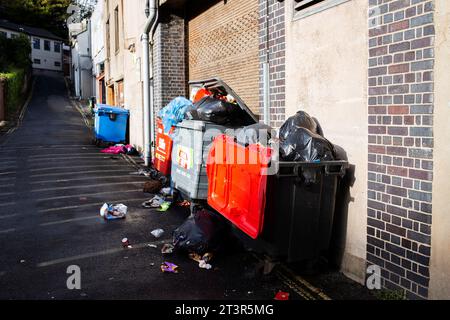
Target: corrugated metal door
<point x="223" y="42"/>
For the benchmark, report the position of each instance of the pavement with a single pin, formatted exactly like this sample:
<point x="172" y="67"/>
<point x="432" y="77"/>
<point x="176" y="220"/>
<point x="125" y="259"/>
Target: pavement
<point x="53" y="181"/>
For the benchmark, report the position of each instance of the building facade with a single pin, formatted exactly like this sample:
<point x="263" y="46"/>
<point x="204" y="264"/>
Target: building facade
<point x="82" y="77"/>
<point x="46" y="48"/>
<point x="372" y="71"/>
<point x="98" y="52"/>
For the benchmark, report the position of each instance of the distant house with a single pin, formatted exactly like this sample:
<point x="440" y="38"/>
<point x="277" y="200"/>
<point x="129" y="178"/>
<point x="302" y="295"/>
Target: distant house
<point x="46" y="48"/>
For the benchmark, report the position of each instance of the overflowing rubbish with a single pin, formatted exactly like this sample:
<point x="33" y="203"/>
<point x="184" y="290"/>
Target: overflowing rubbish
<point x="167" y="248"/>
<point x="152" y="186"/>
<point x="168" y="267"/>
<point x="113" y="211"/>
<point x="153" y="203"/>
<point x="203" y="231"/>
<point x="221" y="112"/>
<point x="174" y="112"/>
<point x="157" y="233"/>
<point x="281" y="296"/>
<point x="216" y="110"/>
<point x="300" y="140"/>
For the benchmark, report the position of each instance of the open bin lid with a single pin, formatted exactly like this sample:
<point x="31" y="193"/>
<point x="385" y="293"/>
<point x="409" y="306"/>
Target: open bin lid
<point x="104" y="108"/>
<point x="222" y="87"/>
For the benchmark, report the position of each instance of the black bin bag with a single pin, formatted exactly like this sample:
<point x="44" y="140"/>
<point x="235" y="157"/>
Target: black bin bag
<point x="220" y="112"/>
<point x="301" y="139"/>
<point x="203" y="231"/>
<point x="255" y="133"/>
<point x="303" y="145"/>
<point x="299" y="120"/>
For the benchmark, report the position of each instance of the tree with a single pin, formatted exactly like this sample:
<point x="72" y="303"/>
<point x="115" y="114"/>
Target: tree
<point x="47" y="14"/>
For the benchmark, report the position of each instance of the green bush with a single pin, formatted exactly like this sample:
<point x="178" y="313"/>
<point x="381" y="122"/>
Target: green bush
<point x="15" y="53"/>
<point x="15" y="63"/>
<point x="15" y="80"/>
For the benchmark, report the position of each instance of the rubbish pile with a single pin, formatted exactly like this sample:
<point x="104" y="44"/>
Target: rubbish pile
<point x="188" y="133"/>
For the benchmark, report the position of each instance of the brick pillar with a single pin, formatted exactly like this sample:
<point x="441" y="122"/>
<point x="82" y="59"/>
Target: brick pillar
<point x="401" y="62"/>
<point x="274" y="41"/>
<point x="169" y="60"/>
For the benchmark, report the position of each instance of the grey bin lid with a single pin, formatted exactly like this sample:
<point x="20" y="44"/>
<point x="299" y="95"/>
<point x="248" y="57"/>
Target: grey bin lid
<point x="217" y="83"/>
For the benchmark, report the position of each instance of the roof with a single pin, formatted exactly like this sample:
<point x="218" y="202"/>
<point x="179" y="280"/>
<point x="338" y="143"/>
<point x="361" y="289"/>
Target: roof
<point x="38" y="32"/>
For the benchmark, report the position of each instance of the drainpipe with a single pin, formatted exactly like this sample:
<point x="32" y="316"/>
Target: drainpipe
<point x="147" y="60"/>
<point x="266" y="73"/>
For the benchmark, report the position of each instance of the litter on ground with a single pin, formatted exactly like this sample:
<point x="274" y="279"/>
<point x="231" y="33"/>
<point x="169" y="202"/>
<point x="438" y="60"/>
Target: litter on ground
<point x="157" y="233"/>
<point x="168" y="267"/>
<point x="112" y="212"/>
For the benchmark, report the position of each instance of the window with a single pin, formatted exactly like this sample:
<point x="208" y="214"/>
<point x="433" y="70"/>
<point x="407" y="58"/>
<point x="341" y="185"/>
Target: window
<point x="14" y="35"/>
<point x="46" y="45"/>
<point x="116" y="28"/>
<point x="37" y="43"/>
<point x="57" y="64"/>
<point x="57" y="47"/>
<point x="108" y="40"/>
<point x="3" y="34"/>
<point x="37" y="61"/>
<point x="304" y="8"/>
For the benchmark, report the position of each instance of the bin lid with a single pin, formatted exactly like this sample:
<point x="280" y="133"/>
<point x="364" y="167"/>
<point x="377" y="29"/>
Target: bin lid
<point x="110" y="109"/>
<point x="219" y="84"/>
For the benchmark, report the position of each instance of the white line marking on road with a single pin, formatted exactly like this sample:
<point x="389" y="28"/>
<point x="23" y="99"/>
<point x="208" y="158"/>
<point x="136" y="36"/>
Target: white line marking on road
<point x="86" y="195"/>
<point x="87" y="186"/>
<point x="6" y="194"/>
<point x="4" y="204"/>
<point x="124" y="201"/>
<point x="95" y="254"/>
<point x="8" y="216"/>
<point x="78" y="172"/>
<point x="5" y="173"/>
<point x="82" y="179"/>
<point x="68" y="220"/>
<point x="85" y="166"/>
<point x="8" y="230"/>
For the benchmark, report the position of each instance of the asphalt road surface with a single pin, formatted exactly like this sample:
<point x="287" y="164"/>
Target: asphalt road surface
<point x="53" y="181"/>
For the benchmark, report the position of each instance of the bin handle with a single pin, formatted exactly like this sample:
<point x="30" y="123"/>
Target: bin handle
<point x="112" y="116"/>
<point x="333" y="172"/>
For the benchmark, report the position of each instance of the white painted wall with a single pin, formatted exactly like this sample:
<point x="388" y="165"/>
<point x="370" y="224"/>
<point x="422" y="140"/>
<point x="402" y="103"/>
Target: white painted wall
<point x="82" y="64"/>
<point x="47" y="58"/>
<point x="98" y="37"/>
<point x="326" y="75"/>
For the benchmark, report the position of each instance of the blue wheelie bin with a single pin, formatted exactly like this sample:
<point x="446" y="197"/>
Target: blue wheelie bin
<point x="110" y="124"/>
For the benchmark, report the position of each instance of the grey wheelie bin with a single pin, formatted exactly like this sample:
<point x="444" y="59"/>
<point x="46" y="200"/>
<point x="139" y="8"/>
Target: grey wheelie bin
<point x="192" y="141"/>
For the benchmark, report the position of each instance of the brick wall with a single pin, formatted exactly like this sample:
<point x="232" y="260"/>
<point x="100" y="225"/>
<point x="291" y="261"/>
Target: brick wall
<point x="273" y="40"/>
<point x="169" y="60"/>
<point x="401" y="61"/>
